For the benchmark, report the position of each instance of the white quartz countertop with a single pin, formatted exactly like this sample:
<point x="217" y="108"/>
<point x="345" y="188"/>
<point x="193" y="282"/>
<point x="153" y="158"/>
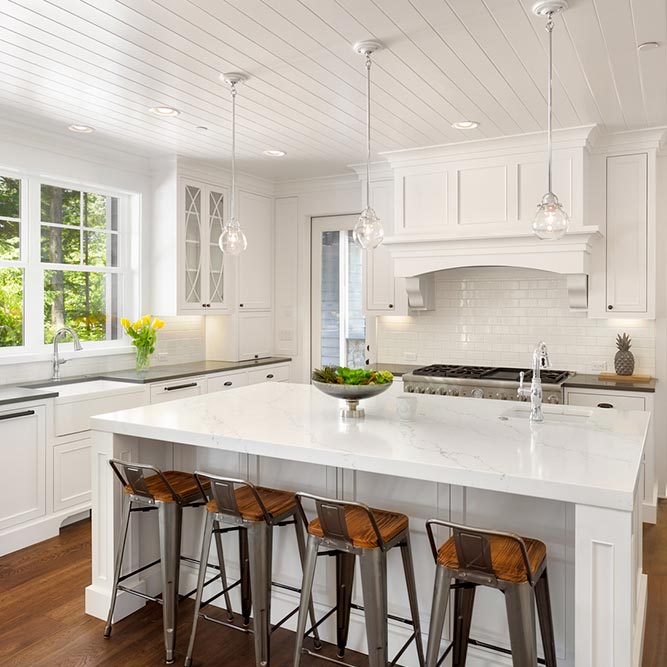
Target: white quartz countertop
<point x="593" y="459"/>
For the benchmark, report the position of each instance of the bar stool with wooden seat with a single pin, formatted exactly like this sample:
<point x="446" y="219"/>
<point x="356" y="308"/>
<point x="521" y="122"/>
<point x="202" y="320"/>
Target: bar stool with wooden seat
<point x="514" y="565"/>
<point x="255" y="511"/>
<point x="167" y="492"/>
<point x="350" y="529"/>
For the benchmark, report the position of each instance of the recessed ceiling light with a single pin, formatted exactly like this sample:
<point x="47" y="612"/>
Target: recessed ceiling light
<point x="165" y="112"/>
<point x="81" y="129"/>
<point x="648" y="46"/>
<point x="465" y="124"/>
<point x="274" y="153"/>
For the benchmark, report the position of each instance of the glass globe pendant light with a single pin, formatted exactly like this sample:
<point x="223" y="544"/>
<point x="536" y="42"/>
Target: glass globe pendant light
<point x="232" y="241"/>
<point x="368" y="232"/>
<point x="551" y="220"/>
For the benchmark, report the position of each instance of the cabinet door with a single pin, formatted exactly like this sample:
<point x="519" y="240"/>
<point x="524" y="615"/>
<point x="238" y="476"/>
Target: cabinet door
<point x="269" y="374"/>
<point x="23" y="460"/>
<point x="71" y="474"/>
<point x="192" y="237"/>
<point x="627" y="228"/>
<point x="216" y="280"/>
<point x="226" y="381"/>
<point x="590" y="399"/>
<point x="255" y="335"/>
<point x="255" y="286"/>
<point x="172" y="391"/>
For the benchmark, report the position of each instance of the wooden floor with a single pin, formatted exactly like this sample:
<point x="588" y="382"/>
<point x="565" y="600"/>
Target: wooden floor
<point x="42" y="623"/>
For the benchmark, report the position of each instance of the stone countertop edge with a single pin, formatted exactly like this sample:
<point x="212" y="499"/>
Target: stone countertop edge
<point x="583" y="381"/>
<point x="9" y="395"/>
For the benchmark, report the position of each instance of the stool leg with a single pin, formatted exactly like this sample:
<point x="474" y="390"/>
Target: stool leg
<point x="170" y="518"/>
<point x="306" y="595"/>
<point x="260" y="542"/>
<point x="118" y="565"/>
<point x="546" y="621"/>
<point x="301" y="544"/>
<point x="244" y="565"/>
<point x="520" y="606"/>
<point x="373" y="564"/>
<point x="203" y="559"/>
<point x="344" y="580"/>
<point x="221" y="564"/>
<point x="443" y="578"/>
<point x="409" y="569"/>
<point x="464" y="599"/>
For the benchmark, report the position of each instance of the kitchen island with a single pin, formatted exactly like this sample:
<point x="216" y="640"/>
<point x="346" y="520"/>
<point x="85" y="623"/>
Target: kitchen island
<point x="571" y="481"/>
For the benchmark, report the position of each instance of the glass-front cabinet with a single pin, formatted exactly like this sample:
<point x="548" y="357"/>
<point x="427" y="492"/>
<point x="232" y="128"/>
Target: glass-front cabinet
<point x="204" y="279"/>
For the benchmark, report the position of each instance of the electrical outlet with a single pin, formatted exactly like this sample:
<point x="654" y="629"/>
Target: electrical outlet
<point x="162" y="356"/>
<point x="410" y="356"/>
<point x="599" y="367"/>
<point x="285" y="334"/>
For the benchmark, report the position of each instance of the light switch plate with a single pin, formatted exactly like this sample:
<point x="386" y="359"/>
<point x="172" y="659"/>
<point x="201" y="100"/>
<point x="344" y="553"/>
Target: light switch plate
<point x="599" y="367"/>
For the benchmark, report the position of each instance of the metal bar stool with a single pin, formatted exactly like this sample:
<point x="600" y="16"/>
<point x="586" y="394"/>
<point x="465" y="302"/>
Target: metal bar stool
<point x="351" y="529"/>
<point x="167" y="492"/>
<point x="516" y="566"/>
<point x="255" y="511"/>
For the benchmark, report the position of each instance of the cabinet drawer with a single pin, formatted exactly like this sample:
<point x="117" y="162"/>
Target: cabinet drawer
<point x="227" y="381"/>
<point x="172" y="391"/>
<point x="269" y="374"/>
<point x="612" y="399"/>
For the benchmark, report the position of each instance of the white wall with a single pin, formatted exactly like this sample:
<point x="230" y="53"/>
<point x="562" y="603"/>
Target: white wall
<point x="496" y="315"/>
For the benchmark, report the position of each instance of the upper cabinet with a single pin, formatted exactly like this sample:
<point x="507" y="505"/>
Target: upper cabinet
<point x="627" y="249"/>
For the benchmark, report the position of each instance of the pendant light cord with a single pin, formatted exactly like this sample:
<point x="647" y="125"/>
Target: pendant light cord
<point x="368" y="130"/>
<point x="233" y="195"/>
<point x="550" y="28"/>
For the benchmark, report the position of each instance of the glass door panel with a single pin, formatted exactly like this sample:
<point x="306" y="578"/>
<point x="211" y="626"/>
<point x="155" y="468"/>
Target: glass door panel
<point x="215" y="264"/>
<point x="193" y="229"/>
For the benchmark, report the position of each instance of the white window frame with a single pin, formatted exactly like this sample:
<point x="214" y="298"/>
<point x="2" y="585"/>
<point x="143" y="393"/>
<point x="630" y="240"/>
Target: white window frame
<point x="129" y="284"/>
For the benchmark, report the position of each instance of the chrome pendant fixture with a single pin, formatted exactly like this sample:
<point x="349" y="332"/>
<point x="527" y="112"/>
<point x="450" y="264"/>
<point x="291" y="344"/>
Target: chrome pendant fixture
<point x="368" y="232"/>
<point x="551" y="220"/>
<point x="232" y="241"/>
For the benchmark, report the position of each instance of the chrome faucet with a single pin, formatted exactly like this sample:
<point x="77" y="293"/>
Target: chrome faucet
<point x="57" y="361"/>
<point x="540" y="360"/>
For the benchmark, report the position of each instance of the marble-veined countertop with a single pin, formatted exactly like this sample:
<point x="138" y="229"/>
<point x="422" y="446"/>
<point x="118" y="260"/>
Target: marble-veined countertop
<point x="462" y="441"/>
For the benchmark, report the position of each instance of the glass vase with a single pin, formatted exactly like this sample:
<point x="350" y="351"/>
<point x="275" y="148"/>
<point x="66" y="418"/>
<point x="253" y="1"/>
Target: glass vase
<point x="143" y="359"/>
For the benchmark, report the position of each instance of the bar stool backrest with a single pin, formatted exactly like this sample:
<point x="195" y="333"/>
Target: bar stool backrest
<point x="473" y="547"/>
<point x="223" y="491"/>
<point x="333" y="518"/>
<point x="132" y="475"/>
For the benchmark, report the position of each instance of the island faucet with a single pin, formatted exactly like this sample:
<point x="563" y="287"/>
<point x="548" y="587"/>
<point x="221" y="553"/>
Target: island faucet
<point x="540" y="360"/>
<point x="57" y="361"/>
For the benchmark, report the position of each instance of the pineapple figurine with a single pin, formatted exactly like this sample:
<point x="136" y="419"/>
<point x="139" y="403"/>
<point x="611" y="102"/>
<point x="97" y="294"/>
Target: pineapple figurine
<point x="624" y="361"/>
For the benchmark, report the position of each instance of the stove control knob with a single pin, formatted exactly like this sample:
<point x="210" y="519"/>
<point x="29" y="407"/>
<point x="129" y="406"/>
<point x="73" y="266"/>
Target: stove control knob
<point x="452" y="392"/>
<point x="553" y="398"/>
<point x="477" y="393"/>
<point x="429" y="390"/>
<point x="420" y="390"/>
<point x="523" y="399"/>
<point x="501" y="396"/>
<point x="410" y="388"/>
<point x="441" y="391"/>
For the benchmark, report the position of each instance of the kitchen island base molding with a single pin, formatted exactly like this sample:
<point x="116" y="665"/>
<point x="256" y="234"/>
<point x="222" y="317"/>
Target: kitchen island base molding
<point x="592" y="628"/>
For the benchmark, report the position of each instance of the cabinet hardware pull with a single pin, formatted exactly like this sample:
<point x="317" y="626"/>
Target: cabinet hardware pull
<point x="391" y="305"/>
<point x="605" y="405"/>
<point x="270" y="376"/>
<point x="16" y="415"/>
<point x="610" y="307"/>
<point x="229" y="383"/>
<point x="240" y="305"/>
<point x="181" y="386"/>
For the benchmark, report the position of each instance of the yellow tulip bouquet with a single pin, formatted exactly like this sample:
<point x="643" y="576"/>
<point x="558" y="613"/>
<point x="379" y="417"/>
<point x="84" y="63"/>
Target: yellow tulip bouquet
<point x="143" y="333"/>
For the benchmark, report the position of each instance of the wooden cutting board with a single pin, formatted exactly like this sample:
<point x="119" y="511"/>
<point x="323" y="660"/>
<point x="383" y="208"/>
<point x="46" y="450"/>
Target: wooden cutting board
<point x="612" y="377"/>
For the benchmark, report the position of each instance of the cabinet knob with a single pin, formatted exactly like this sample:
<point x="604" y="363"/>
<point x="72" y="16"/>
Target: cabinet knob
<point x="391" y="305"/>
<point x="605" y="405"/>
<point x="610" y="307"/>
<point x="269" y="376"/>
<point x="368" y="362"/>
<point x="228" y="383"/>
<point x="240" y="305"/>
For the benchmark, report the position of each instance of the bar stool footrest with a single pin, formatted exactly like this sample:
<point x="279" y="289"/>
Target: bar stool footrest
<point x="145" y="596"/>
<point x="481" y="644"/>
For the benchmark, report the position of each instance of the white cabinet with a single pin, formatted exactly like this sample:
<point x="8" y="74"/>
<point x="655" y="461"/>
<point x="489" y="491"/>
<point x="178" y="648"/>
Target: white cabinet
<point x="269" y="374"/>
<point x="235" y="379"/>
<point x="627" y="400"/>
<point x="255" y="276"/>
<point x="204" y="272"/>
<point x="627" y="249"/>
<point x="23" y="461"/>
<point x="161" y="392"/>
<point x="71" y="473"/>
<point x="255" y="335"/>
<point x="226" y="381"/>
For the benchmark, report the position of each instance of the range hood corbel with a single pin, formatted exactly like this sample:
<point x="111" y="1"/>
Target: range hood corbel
<point x="421" y="292"/>
<point x="577" y="291"/>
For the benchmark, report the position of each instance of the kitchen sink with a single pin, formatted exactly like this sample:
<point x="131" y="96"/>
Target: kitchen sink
<point x="562" y="415"/>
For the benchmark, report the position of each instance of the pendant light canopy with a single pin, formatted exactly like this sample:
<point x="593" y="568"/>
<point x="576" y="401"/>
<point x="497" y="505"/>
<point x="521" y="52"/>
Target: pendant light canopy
<point x="232" y="241"/>
<point x="368" y="232"/>
<point x="551" y="220"/>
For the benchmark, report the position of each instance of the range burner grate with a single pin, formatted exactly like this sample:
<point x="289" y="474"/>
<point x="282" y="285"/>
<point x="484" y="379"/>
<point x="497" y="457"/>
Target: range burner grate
<point x="488" y="373"/>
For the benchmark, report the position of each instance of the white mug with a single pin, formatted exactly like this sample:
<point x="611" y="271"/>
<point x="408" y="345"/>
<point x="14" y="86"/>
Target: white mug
<point x="406" y="406"/>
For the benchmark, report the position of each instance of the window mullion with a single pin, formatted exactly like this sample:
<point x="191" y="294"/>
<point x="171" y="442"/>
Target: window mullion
<point x="34" y="280"/>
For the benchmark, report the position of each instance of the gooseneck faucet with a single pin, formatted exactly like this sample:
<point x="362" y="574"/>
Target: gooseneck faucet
<point x="57" y="361"/>
<point x="540" y="360"/>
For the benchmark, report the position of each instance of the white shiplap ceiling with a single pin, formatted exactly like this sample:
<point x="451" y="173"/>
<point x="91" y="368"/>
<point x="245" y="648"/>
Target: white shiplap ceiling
<point x="104" y="62"/>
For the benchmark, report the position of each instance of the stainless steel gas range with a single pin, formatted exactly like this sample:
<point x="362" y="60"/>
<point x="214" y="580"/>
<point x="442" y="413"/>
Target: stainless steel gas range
<point x="482" y="382"/>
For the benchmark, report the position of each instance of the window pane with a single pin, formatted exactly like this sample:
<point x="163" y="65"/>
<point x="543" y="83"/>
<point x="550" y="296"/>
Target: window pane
<point x="100" y="249"/>
<point x="10" y="197"/>
<point x="60" y="205"/>
<point x="99" y="211"/>
<point x="9" y="239"/>
<point x="82" y="300"/>
<point x="11" y="307"/>
<point x="61" y="245"/>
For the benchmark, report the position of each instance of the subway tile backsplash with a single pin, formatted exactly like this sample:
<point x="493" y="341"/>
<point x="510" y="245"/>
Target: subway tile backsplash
<point x="496" y="315"/>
